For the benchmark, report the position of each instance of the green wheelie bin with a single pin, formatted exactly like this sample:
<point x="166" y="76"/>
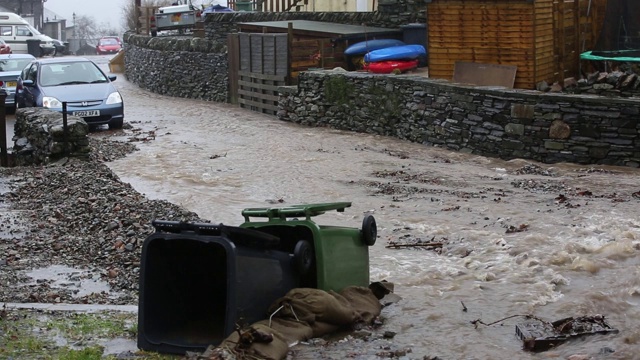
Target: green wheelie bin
<point x="325" y="257"/>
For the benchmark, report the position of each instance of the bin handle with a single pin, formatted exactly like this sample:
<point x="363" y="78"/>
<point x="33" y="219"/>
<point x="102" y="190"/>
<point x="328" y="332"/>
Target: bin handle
<point x="307" y="210"/>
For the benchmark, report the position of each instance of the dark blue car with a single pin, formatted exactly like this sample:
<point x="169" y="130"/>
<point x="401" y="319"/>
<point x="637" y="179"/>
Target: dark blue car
<point x="87" y="90"/>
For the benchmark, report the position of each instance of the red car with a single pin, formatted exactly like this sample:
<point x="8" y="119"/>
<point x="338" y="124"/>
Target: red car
<point x="5" y="48"/>
<point x="108" y="45"/>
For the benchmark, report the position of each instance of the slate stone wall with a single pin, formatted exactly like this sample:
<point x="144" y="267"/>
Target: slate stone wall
<point x="39" y="137"/>
<point x="182" y="67"/>
<point x="487" y="121"/>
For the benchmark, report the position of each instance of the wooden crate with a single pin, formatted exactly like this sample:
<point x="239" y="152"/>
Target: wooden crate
<point x="543" y="38"/>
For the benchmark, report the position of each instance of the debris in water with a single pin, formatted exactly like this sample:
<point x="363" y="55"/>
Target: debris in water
<point x="216" y="156"/>
<point x="541" y="336"/>
<point x="428" y="245"/>
<point x="464" y="308"/>
<point x="513" y="229"/>
<point x="405" y="241"/>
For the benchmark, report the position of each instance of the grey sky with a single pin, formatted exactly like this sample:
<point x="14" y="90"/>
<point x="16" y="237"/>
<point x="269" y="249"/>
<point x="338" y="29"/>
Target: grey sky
<point x="103" y="11"/>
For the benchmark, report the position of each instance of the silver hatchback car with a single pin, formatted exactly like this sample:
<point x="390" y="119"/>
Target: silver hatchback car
<point x="76" y="81"/>
<point x="11" y="65"/>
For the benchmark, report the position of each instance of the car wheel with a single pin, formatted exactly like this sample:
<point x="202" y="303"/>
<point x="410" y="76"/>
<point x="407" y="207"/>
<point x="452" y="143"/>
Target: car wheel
<point x="369" y="230"/>
<point x="116" y="124"/>
<point x="303" y="257"/>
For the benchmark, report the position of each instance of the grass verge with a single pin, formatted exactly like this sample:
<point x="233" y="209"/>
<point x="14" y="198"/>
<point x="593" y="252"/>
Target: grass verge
<point x="63" y="335"/>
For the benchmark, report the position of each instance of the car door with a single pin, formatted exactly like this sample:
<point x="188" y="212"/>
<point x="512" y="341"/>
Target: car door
<point x="30" y="93"/>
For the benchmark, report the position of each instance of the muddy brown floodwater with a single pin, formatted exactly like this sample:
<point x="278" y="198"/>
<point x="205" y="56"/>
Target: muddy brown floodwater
<point x="518" y="237"/>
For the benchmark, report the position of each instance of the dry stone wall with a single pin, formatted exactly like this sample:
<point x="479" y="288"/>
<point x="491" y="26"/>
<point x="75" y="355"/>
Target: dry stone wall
<point x="39" y="137"/>
<point x="495" y="122"/>
<point x="177" y="66"/>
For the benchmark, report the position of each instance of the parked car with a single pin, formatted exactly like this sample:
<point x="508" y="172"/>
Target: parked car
<point x="108" y="45"/>
<point x="11" y="65"/>
<point x="4" y="47"/>
<point x="87" y="90"/>
<point x="61" y="48"/>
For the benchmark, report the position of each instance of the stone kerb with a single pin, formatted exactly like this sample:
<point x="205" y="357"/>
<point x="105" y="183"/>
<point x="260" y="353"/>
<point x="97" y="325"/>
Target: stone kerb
<point x="489" y="121"/>
<point x="39" y="137"/>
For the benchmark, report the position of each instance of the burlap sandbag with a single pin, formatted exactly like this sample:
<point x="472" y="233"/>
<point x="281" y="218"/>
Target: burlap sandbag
<point x="317" y="313"/>
<point x="363" y="300"/>
<point x="311" y="305"/>
<point x="291" y="330"/>
<point x="274" y="350"/>
<point x="322" y="328"/>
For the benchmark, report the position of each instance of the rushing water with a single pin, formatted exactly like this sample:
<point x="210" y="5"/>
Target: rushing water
<point x="554" y="241"/>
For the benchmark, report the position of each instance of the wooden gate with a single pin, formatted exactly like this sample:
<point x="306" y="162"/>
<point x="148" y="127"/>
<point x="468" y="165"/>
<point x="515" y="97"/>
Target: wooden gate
<point x="258" y="65"/>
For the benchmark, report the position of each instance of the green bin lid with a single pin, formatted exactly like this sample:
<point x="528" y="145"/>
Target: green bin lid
<point x="306" y="210"/>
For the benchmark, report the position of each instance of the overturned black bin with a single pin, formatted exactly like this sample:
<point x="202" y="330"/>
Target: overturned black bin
<point x="197" y="281"/>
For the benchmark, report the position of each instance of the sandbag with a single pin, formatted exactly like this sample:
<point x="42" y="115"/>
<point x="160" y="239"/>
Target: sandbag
<point x="322" y="328"/>
<point x="275" y="350"/>
<point x="311" y="305"/>
<point x="363" y="301"/>
<point x="292" y="330"/>
<point x="301" y="314"/>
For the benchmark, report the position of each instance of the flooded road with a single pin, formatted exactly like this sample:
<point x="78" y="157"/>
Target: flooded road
<point x="518" y="237"/>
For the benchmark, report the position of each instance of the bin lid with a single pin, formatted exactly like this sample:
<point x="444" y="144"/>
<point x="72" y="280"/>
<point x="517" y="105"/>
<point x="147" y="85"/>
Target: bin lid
<point x="306" y="210"/>
<point x="238" y="235"/>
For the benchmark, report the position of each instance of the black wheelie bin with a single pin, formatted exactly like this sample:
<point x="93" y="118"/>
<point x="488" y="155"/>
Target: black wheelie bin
<point x="198" y="280"/>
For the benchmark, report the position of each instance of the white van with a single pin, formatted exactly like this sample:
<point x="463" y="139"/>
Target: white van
<point x="15" y="31"/>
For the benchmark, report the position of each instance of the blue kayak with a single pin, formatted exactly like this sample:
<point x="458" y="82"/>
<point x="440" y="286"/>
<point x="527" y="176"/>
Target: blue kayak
<point x="364" y="47"/>
<point x="404" y="52"/>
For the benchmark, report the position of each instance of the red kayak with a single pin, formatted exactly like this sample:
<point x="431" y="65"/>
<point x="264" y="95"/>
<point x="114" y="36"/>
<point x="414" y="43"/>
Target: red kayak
<point x="387" y="67"/>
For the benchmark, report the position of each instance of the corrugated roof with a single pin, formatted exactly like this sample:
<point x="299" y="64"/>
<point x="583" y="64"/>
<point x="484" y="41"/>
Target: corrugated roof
<point x="335" y="29"/>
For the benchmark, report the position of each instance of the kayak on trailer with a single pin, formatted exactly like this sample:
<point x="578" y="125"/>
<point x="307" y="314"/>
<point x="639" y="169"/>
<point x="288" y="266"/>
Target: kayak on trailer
<point x="404" y="52"/>
<point x="387" y="67"/>
<point x="364" y="47"/>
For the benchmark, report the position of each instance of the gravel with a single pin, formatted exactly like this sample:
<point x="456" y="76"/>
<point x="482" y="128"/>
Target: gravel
<point x="77" y="219"/>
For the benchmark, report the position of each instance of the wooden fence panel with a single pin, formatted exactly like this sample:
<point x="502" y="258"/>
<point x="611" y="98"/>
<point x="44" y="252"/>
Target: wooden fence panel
<point x="263" y="65"/>
<point x="233" y="51"/>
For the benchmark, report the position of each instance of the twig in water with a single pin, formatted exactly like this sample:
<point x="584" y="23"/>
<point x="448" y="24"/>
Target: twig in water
<point x="478" y="321"/>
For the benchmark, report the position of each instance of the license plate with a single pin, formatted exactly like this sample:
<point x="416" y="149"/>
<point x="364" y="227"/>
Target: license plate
<point x="12" y="84"/>
<point x="87" y="113"/>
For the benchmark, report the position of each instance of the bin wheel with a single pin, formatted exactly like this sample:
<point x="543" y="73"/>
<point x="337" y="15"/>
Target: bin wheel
<point x="369" y="230"/>
<point x="303" y="257"/>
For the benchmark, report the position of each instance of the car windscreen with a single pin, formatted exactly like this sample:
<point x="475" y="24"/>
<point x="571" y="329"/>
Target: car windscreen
<point x="71" y="73"/>
<point x="108" y="42"/>
<point x="13" y="64"/>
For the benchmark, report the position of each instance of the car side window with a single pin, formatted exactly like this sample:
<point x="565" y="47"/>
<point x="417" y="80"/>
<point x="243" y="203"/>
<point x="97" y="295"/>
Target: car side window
<point x="23" y="31"/>
<point x="33" y="73"/>
<point x="25" y="72"/>
<point x="6" y="30"/>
